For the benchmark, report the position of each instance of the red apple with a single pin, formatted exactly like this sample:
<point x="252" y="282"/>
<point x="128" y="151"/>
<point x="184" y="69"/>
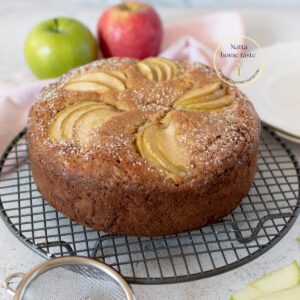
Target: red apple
<point x="130" y="29"/>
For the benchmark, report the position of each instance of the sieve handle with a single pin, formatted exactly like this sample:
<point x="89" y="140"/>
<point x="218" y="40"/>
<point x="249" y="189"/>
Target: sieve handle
<point x="8" y="281"/>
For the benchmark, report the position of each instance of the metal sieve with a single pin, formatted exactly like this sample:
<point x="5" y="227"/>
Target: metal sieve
<point x="74" y="278"/>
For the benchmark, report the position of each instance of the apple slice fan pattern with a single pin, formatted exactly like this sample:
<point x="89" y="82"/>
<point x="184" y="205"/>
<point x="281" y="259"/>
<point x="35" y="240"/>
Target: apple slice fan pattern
<point x="156" y="137"/>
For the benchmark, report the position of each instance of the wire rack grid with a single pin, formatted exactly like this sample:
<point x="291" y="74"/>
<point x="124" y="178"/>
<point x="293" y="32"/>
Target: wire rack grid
<point x="262" y="219"/>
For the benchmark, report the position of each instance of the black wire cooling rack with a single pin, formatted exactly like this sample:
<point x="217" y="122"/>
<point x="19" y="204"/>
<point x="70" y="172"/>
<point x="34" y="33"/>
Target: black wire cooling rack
<point x="261" y="220"/>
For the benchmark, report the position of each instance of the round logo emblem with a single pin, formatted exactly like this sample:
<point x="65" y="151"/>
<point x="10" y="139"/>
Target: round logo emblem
<point x="238" y="60"/>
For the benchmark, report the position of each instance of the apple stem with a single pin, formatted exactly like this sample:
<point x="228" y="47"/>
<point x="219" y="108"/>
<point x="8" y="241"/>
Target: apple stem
<point x="124" y="6"/>
<point x="131" y="6"/>
<point x="56" y="25"/>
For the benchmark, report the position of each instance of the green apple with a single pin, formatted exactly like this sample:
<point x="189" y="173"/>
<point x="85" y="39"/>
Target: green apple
<point x="281" y="279"/>
<point x="57" y="45"/>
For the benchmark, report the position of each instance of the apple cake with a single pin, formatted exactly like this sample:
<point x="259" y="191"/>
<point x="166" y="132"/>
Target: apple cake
<point x="147" y="148"/>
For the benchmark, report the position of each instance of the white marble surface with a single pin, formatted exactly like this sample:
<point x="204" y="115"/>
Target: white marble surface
<point x="266" y="26"/>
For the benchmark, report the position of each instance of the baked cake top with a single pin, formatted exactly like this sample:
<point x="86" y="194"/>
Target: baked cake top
<point x="148" y="122"/>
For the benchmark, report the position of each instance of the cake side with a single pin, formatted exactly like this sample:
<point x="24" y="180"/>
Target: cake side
<point x="113" y="208"/>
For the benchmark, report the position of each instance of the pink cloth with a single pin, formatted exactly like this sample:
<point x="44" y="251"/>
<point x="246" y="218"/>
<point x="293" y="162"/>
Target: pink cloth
<point x="193" y="40"/>
<point x="197" y="39"/>
<point x="15" y="101"/>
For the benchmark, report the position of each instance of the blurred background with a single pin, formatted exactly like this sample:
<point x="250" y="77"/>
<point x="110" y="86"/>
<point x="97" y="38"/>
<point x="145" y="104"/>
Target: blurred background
<point x="263" y="20"/>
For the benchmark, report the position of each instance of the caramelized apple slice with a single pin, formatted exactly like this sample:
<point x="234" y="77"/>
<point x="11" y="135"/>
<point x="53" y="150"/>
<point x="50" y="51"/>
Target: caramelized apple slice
<point x="170" y="150"/>
<point x="157" y="72"/>
<point x="171" y="64"/>
<point x="160" y="150"/>
<point x="77" y="121"/>
<point x="208" y="97"/>
<point x="157" y="69"/>
<point x="69" y="121"/>
<point x="199" y="92"/>
<point x="55" y="126"/>
<point x="88" y="122"/>
<point x="152" y="152"/>
<point x="170" y="68"/>
<point x="85" y="86"/>
<point x="145" y="70"/>
<point x="147" y="146"/>
<point x="210" y="105"/>
<point x="106" y="80"/>
<point x="118" y="74"/>
<point x="146" y="150"/>
<point x="206" y="93"/>
<point x="140" y="142"/>
<point x="201" y="99"/>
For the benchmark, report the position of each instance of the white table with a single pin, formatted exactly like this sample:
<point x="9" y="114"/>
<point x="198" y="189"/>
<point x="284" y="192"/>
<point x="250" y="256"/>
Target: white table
<point x="266" y="26"/>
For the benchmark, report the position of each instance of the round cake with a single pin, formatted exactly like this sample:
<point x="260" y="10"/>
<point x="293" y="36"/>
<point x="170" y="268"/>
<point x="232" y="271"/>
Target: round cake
<point x="145" y="148"/>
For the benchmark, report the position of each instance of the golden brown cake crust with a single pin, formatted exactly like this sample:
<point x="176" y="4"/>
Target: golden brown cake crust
<point x="109" y="186"/>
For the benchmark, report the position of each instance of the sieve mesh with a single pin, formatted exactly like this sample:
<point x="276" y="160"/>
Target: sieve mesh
<point x="74" y="282"/>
